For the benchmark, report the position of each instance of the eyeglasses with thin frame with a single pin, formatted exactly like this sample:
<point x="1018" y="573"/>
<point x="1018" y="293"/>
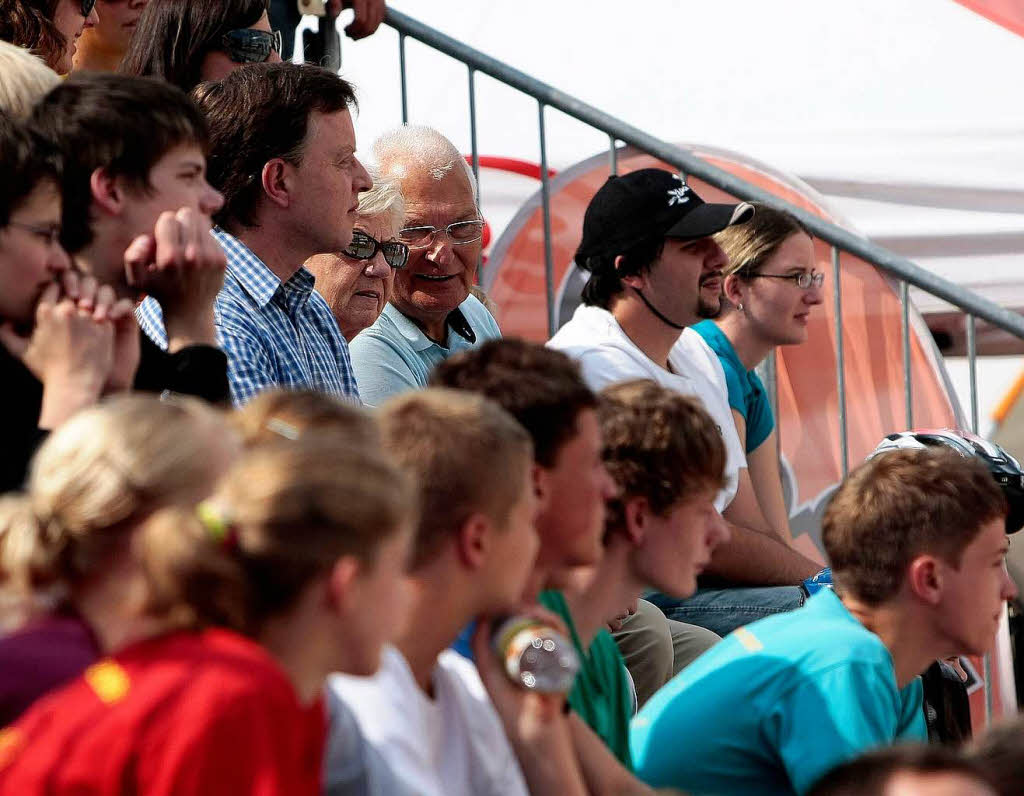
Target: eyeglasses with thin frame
<point x="248" y="46"/>
<point x="803" y="280"/>
<point x="459" y="233"/>
<point x="365" y="247"/>
<point x="48" y="232"/>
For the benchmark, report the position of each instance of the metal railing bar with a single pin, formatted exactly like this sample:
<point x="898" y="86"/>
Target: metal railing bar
<point x="908" y="398"/>
<point x="401" y="74"/>
<point x="613" y="156"/>
<point x="472" y="132"/>
<point x="837" y="297"/>
<point x="972" y="369"/>
<point x="547" y="95"/>
<point x="545" y="189"/>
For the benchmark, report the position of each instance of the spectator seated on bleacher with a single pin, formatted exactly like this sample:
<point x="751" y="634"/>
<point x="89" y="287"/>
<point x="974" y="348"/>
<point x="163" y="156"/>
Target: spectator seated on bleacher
<point x="769" y="290"/>
<point x="136" y="217"/>
<point x="282" y="150"/>
<point x="667" y="459"/>
<point x="56" y="350"/>
<point x="916" y="539"/>
<point x="357" y="282"/>
<point x="62" y="566"/>
<point x="654" y="271"/>
<point x="544" y="391"/>
<point x="431" y="314"/>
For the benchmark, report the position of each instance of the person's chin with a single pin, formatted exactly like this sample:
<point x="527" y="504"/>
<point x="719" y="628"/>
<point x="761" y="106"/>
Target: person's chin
<point x="708" y="309"/>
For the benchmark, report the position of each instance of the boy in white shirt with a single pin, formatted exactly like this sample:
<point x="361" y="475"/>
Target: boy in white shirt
<point x="427" y="712"/>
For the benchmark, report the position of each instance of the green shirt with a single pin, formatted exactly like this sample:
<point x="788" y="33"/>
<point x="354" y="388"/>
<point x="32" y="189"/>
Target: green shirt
<point x="601" y="694"/>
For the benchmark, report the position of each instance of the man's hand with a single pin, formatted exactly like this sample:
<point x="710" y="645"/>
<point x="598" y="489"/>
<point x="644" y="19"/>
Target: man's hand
<point x="182" y="266"/>
<point x="524" y="712"/>
<point x="126" y="347"/>
<point x="368" y="15"/>
<point x="70" y="349"/>
<point x="615" y="623"/>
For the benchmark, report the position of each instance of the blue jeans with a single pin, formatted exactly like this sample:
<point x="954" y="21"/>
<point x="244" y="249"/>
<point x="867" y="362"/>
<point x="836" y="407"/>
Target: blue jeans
<point x="724" y="610"/>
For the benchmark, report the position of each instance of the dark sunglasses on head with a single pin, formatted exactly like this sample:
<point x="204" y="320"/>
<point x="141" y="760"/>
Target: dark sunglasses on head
<point x="247" y="46"/>
<point x="365" y="247"/>
<point x="87" y="7"/>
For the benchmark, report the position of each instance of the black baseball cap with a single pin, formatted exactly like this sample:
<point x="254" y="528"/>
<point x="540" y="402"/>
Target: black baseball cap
<point x="650" y="203"/>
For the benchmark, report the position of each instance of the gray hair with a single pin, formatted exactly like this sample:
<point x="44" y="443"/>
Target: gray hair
<point x="383" y="200"/>
<point x="426" y="147"/>
<point x="26" y="79"/>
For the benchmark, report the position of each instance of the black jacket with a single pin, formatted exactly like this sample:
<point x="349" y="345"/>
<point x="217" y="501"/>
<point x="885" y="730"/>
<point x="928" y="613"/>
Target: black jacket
<point x="199" y="370"/>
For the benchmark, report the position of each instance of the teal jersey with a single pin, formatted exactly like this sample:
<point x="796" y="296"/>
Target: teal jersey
<point x="775" y="706"/>
<point x="746" y="392"/>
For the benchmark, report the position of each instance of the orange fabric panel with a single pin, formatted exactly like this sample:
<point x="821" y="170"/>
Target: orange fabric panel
<point x="1008" y="13"/>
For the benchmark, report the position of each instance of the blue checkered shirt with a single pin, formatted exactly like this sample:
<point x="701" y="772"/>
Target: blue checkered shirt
<point x="273" y="333"/>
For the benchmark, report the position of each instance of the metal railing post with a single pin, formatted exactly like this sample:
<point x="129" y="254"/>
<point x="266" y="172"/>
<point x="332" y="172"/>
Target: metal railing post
<point x="545" y="188"/>
<point x="472" y="132"/>
<point x="401" y="74"/>
<point x="613" y="156"/>
<point x="908" y="400"/>
<point x="837" y="296"/>
<point x="972" y="370"/>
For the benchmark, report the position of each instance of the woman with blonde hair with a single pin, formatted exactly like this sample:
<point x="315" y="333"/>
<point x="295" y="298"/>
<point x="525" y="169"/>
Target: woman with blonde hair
<point x="66" y="574"/>
<point x="771" y="288"/>
<point x="292" y="569"/>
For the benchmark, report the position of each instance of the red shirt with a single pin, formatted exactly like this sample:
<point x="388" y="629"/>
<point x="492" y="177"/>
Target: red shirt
<point x="187" y="713"/>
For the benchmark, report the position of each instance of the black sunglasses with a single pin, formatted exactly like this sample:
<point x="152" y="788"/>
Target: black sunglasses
<point x="87" y="7"/>
<point x="247" y="46"/>
<point x="365" y="247"/>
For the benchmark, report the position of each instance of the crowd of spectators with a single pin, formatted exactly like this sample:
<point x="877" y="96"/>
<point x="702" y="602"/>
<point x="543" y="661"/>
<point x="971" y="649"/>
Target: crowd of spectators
<point x="273" y="477"/>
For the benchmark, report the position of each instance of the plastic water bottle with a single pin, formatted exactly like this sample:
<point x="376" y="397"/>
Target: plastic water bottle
<point x="535" y="655"/>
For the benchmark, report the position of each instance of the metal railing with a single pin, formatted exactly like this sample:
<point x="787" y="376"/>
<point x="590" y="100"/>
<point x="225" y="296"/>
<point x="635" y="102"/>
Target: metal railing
<point x="841" y="240"/>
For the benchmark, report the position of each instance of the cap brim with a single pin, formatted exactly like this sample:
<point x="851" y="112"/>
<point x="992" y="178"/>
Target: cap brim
<point x="707" y="219"/>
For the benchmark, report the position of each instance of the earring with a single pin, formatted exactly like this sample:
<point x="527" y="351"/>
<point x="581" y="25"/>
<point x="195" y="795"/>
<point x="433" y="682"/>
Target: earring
<point x="740" y="306"/>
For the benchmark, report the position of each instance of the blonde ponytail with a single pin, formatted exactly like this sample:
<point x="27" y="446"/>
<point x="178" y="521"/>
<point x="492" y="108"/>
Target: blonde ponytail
<point x="283" y="515"/>
<point x="96" y="478"/>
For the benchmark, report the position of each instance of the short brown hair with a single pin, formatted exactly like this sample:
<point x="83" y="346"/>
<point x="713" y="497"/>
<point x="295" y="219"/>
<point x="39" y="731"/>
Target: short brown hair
<point x="122" y="124"/>
<point x="540" y="387"/>
<point x="902" y="504"/>
<point x="870" y="774"/>
<point x="751" y="244"/>
<point x="658" y="445"/>
<point x="281" y="413"/>
<point x="257" y="114"/>
<point x="468" y="455"/>
<point x="282" y="516"/>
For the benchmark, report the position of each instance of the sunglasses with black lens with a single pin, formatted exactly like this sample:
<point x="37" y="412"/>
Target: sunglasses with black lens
<point x="365" y="247"/>
<point x="248" y="46"/>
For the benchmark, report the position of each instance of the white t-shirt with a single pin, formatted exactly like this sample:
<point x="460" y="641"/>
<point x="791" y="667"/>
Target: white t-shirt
<point x="607" y="356"/>
<point x="451" y="745"/>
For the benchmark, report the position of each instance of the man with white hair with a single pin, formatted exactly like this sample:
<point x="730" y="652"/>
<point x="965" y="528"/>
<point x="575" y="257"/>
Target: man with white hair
<point x="431" y="314"/>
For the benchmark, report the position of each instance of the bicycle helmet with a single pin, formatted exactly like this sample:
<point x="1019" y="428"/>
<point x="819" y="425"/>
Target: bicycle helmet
<point x="1004" y="468"/>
